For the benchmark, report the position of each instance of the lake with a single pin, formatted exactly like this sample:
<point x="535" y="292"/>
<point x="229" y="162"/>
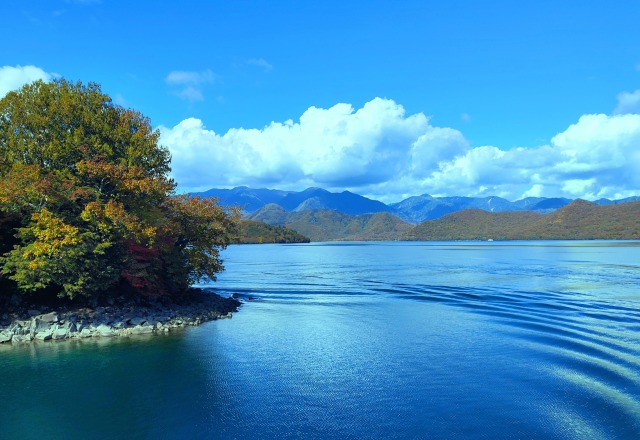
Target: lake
<point x="443" y="340"/>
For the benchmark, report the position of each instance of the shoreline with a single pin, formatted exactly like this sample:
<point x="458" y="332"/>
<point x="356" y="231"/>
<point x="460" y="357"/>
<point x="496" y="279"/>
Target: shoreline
<point x="120" y="317"/>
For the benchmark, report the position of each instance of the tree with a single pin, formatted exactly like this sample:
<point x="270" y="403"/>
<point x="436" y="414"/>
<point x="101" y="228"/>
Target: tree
<point x="86" y="203"/>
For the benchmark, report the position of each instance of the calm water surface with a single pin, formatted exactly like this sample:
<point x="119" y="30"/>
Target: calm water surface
<point x="535" y="340"/>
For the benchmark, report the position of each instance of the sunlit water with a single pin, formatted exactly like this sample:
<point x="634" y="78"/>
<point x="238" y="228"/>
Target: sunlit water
<point x="536" y="340"/>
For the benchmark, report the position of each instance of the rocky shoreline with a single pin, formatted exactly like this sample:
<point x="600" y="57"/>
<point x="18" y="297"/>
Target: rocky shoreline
<point x="121" y="316"/>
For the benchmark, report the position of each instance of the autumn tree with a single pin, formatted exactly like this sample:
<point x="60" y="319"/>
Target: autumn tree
<point x="86" y="204"/>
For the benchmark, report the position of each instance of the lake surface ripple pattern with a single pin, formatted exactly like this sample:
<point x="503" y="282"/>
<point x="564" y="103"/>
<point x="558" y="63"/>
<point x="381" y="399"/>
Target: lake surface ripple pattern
<point x="441" y="340"/>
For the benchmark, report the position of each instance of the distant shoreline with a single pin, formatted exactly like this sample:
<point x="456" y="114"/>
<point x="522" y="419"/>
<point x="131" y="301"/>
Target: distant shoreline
<point x="23" y="322"/>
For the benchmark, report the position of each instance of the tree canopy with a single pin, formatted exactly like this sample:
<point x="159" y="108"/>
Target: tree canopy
<point x="86" y="203"/>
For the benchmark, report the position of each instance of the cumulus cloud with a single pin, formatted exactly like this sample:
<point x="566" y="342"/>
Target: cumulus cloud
<point x="338" y="147"/>
<point x="12" y="78"/>
<point x="380" y="151"/>
<point x="188" y="84"/>
<point x="599" y="156"/>
<point x="628" y="102"/>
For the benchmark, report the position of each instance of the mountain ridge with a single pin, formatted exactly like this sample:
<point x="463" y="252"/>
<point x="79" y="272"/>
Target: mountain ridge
<point x="580" y="220"/>
<point x="414" y="209"/>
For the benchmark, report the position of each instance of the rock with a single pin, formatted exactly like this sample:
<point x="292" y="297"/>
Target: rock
<point x="39" y="325"/>
<point x="18" y="339"/>
<point x="5" y="336"/>
<point x="137" y="321"/>
<point x="33" y="312"/>
<point x="44" y="335"/>
<point x="141" y="330"/>
<point x="85" y="333"/>
<point x="48" y="317"/>
<point x="104" y="330"/>
<point x="23" y="323"/>
<point x="60" y="333"/>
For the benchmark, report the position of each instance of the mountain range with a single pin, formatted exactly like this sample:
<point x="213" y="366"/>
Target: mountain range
<point x="416" y="209"/>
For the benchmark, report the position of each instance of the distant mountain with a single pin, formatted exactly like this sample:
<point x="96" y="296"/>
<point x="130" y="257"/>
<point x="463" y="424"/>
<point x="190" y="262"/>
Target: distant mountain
<point x="527" y="203"/>
<point x="251" y="200"/>
<point x="425" y="207"/>
<point x="419" y="208"/>
<point x="628" y="199"/>
<point x="579" y="220"/>
<point x="318" y="198"/>
<point x="248" y="199"/>
<point x="414" y="209"/>
<point x="324" y="225"/>
<point x="549" y="205"/>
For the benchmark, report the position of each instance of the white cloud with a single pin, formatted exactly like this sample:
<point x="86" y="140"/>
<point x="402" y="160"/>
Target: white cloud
<point x="188" y="84"/>
<point x="12" y="78"/>
<point x="338" y="147"/>
<point x="599" y="156"/>
<point x="628" y="102"/>
<point x="378" y="150"/>
<point x="261" y="63"/>
<point x="190" y="78"/>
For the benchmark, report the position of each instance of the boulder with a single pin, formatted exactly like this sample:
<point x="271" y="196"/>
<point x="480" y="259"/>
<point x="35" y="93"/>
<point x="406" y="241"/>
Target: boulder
<point x="44" y="335"/>
<point x="17" y="339"/>
<point x="60" y="333"/>
<point x="48" y="317"/>
<point x="39" y="325"/>
<point x="5" y="336"/>
<point x="105" y="330"/>
<point x="141" y="330"/>
<point x="137" y="321"/>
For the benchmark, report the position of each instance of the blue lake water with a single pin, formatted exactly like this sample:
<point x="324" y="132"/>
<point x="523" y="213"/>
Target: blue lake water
<point x="529" y="340"/>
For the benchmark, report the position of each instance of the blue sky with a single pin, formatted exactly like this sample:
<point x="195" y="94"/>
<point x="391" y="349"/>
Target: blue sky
<point x="387" y="99"/>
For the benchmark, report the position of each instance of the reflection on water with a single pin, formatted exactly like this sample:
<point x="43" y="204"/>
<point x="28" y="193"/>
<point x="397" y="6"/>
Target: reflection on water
<point x="364" y="340"/>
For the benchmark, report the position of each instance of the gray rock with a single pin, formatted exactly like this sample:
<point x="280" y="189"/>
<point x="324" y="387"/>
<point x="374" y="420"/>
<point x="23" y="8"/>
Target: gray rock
<point x="44" y="335"/>
<point x="60" y="333"/>
<point x="22" y="331"/>
<point x="23" y="323"/>
<point x="85" y="333"/>
<point x="39" y="325"/>
<point x="137" y="321"/>
<point x="17" y="339"/>
<point x="48" y="317"/>
<point x="141" y="330"/>
<point x="5" y="336"/>
<point x="104" y="330"/>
